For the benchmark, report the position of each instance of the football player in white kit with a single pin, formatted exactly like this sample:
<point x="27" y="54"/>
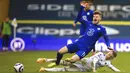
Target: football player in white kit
<point x="98" y="60"/>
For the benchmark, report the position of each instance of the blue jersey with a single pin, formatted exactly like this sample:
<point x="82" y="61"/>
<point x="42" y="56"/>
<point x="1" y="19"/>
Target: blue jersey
<point x="83" y="45"/>
<point x="86" y="15"/>
<point x="91" y="35"/>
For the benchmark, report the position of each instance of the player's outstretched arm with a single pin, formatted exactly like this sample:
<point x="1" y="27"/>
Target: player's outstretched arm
<point x="106" y="38"/>
<point x="112" y="67"/>
<point x="79" y="14"/>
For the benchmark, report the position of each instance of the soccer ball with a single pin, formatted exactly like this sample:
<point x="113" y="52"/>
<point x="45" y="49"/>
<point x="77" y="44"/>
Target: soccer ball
<point x="18" y="67"/>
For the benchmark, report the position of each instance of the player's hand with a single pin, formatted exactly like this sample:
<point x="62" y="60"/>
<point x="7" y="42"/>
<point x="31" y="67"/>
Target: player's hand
<point x="85" y="4"/>
<point x="82" y="3"/>
<point x="74" y="25"/>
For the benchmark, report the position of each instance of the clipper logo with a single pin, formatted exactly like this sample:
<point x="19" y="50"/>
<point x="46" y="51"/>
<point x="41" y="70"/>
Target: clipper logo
<point x="47" y="31"/>
<point x="17" y="44"/>
<point x="40" y="30"/>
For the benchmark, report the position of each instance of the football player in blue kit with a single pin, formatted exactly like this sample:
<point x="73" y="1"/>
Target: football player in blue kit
<point x="83" y="45"/>
<point x="85" y="13"/>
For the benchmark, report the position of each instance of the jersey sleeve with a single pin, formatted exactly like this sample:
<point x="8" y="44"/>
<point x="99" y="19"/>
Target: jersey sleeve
<point x="79" y="14"/>
<point x="108" y="64"/>
<point x="106" y="37"/>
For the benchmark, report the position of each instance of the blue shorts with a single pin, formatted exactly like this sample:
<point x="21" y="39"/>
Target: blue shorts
<point x="81" y="52"/>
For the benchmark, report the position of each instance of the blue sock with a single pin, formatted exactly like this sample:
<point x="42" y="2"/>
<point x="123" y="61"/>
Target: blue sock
<point x="59" y="57"/>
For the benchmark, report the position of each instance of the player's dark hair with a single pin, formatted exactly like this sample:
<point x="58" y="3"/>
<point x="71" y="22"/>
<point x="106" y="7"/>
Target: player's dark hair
<point x="114" y="53"/>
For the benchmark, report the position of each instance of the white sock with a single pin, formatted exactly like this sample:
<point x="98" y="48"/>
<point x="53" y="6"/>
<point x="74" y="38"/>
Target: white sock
<point x="50" y="60"/>
<point x="69" y="41"/>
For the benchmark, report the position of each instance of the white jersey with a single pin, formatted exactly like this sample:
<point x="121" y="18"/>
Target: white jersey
<point x="99" y="59"/>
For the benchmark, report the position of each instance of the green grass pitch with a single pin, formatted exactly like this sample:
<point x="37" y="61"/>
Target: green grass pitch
<point x="28" y="58"/>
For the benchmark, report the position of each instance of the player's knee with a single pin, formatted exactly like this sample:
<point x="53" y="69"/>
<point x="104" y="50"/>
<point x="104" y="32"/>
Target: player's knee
<point x="63" y="50"/>
<point x="60" y="52"/>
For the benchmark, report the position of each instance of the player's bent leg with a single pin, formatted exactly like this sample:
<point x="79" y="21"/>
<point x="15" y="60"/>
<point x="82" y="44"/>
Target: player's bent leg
<point x="71" y="48"/>
<point x="60" y="54"/>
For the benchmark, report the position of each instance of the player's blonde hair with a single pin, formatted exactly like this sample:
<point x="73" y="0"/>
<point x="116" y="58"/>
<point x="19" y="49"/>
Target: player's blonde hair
<point x="98" y="12"/>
